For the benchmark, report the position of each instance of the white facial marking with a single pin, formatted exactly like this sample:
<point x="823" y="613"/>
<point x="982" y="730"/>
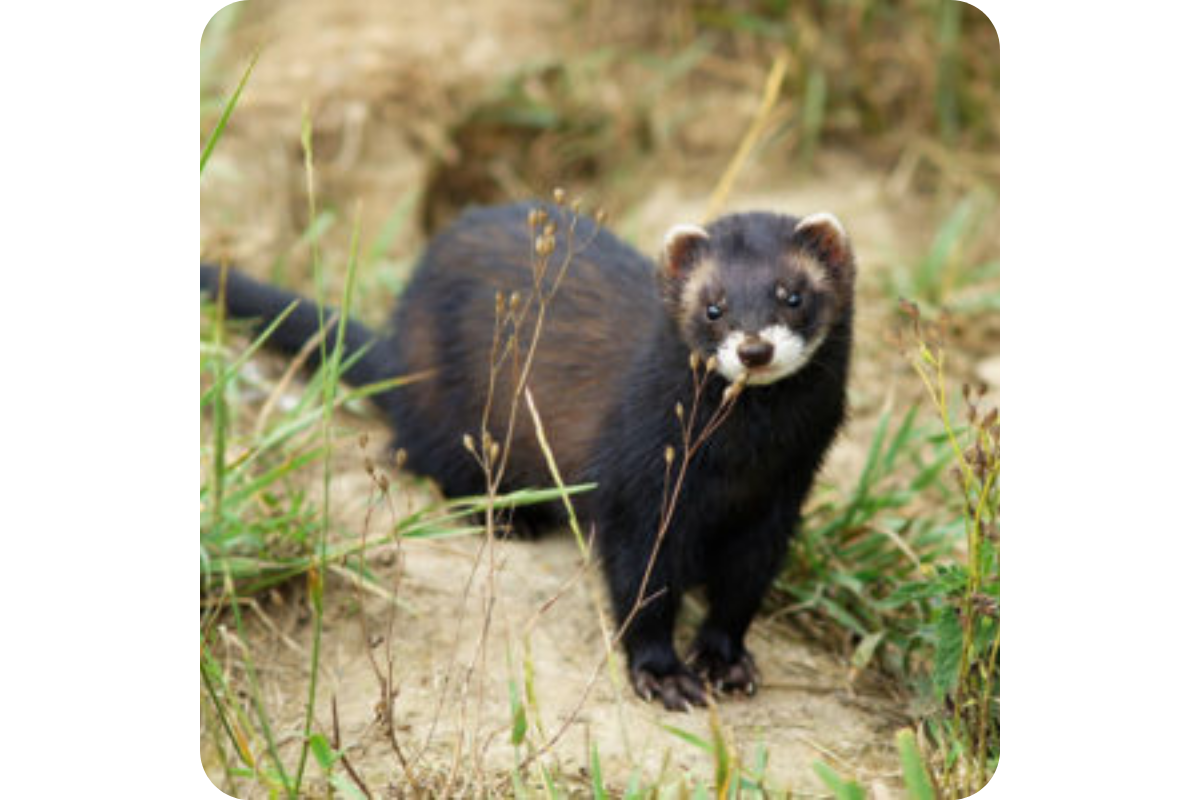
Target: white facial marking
<point x="728" y="363"/>
<point x="791" y="352"/>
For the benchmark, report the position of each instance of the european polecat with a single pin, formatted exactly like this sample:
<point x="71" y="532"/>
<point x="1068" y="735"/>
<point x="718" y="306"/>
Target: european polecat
<point x="746" y="322"/>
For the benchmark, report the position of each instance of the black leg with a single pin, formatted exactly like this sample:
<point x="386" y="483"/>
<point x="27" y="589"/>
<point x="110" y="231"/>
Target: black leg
<point x="648" y="620"/>
<point x="739" y="574"/>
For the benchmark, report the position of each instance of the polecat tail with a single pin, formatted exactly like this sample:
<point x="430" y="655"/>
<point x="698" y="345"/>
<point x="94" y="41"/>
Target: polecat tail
<point x="246" y="298"/>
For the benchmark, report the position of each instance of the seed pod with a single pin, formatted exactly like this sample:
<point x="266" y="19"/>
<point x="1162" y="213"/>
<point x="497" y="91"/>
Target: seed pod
<point x="734" y="389"/>
<point x="469" y="442"/>
<point x="401" y="457"/>
<point x="711" y="364"/>
<point x="494" y="452"/>
<point x="533" y="218"/>
<point x="601" y="215"/>
<point x="694" y="361"/>
<point x="669" y="455"/>
<point x="559" y="196"/>
<point x="679" y="410"/>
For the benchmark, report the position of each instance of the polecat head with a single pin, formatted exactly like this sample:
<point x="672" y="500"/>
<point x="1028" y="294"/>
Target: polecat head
<point x="759" y="291"/>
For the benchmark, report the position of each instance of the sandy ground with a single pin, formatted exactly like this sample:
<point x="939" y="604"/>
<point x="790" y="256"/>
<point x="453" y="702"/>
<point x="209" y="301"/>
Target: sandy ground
<point x="473" y="617"/>
<point x="384" y="82"/>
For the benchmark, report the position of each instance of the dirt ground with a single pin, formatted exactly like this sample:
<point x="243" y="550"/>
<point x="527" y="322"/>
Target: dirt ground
<point x="386" y="83"/>
<point x="463" y="631"/>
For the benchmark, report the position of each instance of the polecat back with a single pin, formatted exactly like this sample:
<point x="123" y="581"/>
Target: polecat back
<point x="446" y="324"/>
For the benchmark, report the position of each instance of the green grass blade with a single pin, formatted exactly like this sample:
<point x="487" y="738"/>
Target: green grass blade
<point x="689" y="737"/>
<point x="842" y="789"/>
<point x="598" y="790"/>
<point x="520" y="722"/>
<point x="916" y="777"/>
<point x="219" y="129"/>
<point x="228" y="373"/>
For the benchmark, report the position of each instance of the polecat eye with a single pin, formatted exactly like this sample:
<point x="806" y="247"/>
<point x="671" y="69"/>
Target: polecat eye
<point x="713" y="312"/>
<point x="793" y="299"/>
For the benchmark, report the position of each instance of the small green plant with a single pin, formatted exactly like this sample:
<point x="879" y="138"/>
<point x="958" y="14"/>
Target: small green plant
<point x="965" y="678"/>
<point x="856" y="552"/>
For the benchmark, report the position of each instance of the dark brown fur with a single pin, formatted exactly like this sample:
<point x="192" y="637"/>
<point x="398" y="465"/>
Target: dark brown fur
<point x="612" y="363"/>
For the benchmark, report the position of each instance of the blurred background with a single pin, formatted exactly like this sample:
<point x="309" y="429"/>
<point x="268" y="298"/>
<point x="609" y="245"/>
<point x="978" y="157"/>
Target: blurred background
<point x="888" y="115"/>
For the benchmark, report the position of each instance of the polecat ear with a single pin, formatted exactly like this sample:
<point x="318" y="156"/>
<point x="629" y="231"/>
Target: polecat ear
<point x="683" y="247"/>
<point x="824" y="233"/>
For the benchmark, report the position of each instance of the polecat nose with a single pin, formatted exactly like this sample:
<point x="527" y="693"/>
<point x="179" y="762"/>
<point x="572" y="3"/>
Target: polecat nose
<point x="756" y="353"/>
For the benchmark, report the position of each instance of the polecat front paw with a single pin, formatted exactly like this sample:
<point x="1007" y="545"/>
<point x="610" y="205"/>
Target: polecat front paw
<point x="678" y="689"/>
<point x="737" y="675"/>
